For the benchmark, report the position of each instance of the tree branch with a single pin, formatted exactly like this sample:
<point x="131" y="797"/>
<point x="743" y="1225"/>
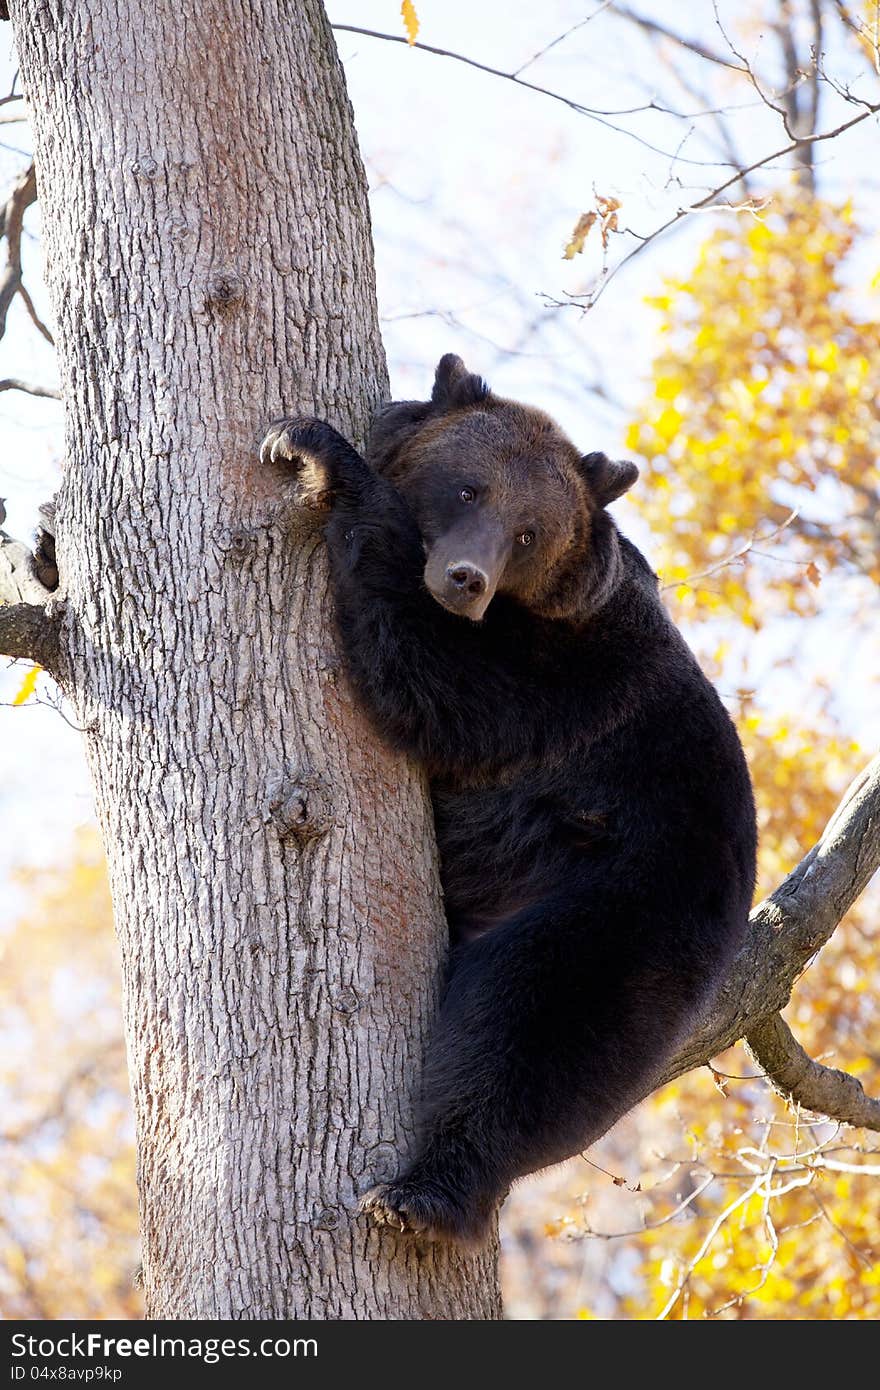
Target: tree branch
<point x="796" y="1077"/>
<point x="592" y="113"/>
<point x="23" y="194"/>
<point x="803" y="912"/>
<point x="787" y="930"/>
<point x="30" y="619"/>
<point x="12" y="214"/>
<point x="12" y="383"/>
<point x="651" y="26"/>
<point x="719" y="118"/>
<point x="587" y="302"/>
<point x="35" y="318"/>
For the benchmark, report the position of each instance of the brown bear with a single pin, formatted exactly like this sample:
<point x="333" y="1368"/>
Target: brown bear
<point x="593" y="809"/>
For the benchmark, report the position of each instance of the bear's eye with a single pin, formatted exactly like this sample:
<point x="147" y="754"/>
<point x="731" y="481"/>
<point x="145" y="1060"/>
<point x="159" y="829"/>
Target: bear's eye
<point x="467" y="494"/>
<point x="526" y="537"/>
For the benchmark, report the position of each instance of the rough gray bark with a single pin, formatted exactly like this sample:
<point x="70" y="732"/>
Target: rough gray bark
<point x="796" y="1076"/>
<point x="272" y="869"/>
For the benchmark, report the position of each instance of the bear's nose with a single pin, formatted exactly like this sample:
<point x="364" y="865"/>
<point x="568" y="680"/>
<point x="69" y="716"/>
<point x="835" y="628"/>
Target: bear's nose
<point x="467" y="580"/>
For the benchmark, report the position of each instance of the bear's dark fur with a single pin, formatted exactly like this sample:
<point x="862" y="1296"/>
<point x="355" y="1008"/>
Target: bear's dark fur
<point x="593" y="808"/>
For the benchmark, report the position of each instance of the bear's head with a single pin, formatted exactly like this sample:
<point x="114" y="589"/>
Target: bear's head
<point x="504" y="501"/>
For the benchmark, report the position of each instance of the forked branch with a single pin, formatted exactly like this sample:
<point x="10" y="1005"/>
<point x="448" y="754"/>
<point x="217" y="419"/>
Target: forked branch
<point x="787" y="930"/>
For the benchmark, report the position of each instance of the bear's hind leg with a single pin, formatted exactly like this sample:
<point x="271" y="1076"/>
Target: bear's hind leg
<point x="552" y="1027"/>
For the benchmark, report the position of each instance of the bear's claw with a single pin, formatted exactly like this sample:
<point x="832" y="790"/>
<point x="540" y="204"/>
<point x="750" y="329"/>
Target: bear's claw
<point x="293" y="442"/>
<point x="387" y="1205"/>
<point x="288" y="440"/>
<point x="424" y="1208"/>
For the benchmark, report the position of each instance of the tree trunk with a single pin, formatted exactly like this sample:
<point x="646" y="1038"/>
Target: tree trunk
<point x="273" y="872"/>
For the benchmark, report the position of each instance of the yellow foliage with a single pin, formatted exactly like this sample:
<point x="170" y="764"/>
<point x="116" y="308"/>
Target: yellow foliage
<point x="765" y="400"/>
<point x="27" y="687"/>
<point x="68" y="1209"/>
<point x="410" y="21"/>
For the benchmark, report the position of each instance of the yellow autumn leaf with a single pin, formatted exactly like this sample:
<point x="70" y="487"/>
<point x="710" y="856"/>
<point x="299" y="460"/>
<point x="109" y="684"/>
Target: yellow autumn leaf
<point x="28" y="686"/>
<point x="410" y="21"/>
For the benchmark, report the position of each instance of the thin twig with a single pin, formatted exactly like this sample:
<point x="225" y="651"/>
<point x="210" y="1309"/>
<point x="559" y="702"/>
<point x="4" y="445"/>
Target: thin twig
<point x="735" y="555"/>
<point x="589" y="301"/>
<point x="589" y="1233"/>
<point x="653" y="26"/>
<point x="716" y="1226"/>
<point x="592" y="113"/>
<point x="560" y="38"/>
<point x="35" y="318"/>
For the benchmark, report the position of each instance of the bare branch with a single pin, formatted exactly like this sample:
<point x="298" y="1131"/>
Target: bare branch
<point x="592" y="113"/>
<point x="716" y="1226"/>
<point x="11" y="218"/>
<point x="850" y="551"/>
<point x="560" y="38"/>
<point x="23" y="194"/>
<point x="32" y="634"/>
<point x="867" y="36"/>
<point x="797" y="1077"/>
<point x="791" y="926"/>
<point x="710" y="199"/>
<point x="35" y="318"/>
<point x="736" y="556"/>
<point x="719" y="117"/>
<point x="11" y="383"/>
<point x="18" y="579"/>
<point x="804" y="911"/>
<point x="651" y="26"/>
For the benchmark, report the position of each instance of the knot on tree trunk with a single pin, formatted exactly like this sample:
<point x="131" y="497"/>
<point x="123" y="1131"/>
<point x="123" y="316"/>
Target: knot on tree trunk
<point x="301" y="808"/>
<point x="225" y="288"/>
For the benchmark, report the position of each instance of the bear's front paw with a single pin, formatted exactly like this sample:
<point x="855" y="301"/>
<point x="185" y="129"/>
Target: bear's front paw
<point x="299" y="442"/>
<point x="392" y="1204"/>
<point x="425" y="1209"/>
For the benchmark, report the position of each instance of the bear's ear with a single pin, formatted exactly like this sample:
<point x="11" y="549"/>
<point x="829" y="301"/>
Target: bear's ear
<point x="454" y="386"/>
<point x="391" y="428"/>
<point x="607" y="478"/>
